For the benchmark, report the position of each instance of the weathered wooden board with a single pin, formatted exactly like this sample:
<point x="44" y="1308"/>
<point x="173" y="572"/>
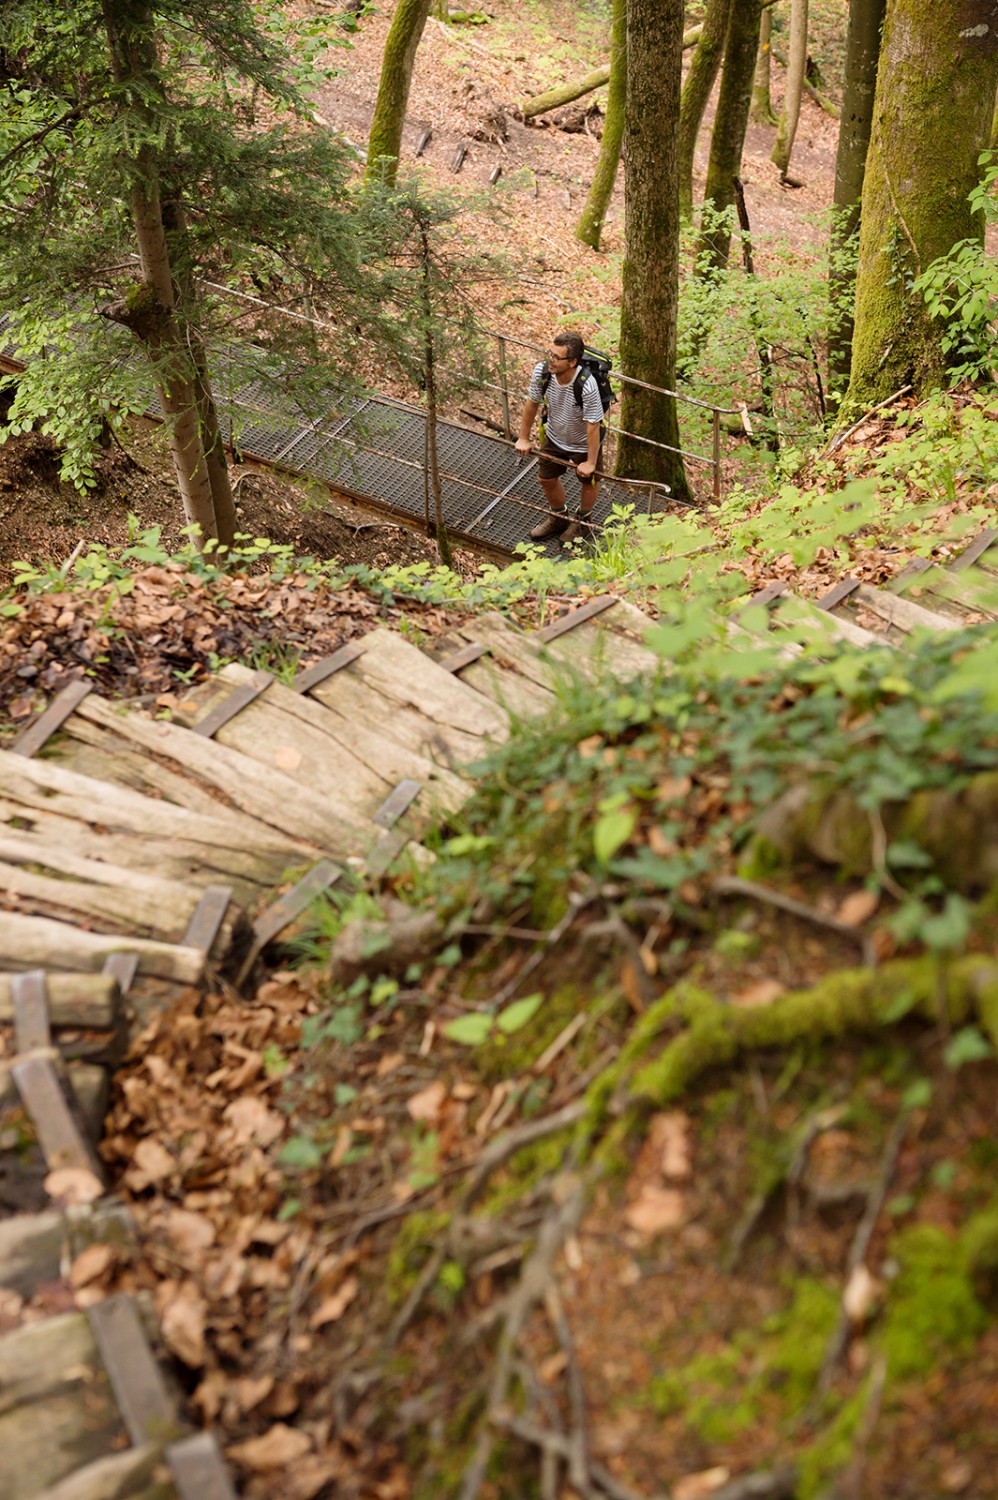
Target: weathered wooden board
<point x="899" y="611"/>
<point x="282" y="912"/>
<point x="402" y="674"/>
<point x="182" y="859"/>
<point x="418" y="747"/>
<point x="511" y="649"/>
<point x="148" y="1410"/>
<point x="291" y="731"/>
<point x="86" y="1001"/>
<point x="136" y="1474"/>
<point x="58" y="711"/>
<point x="233" y="703"/>
<point x="810" y="625"/>
<point x="982" y="548"/>
<point x="575" y="617"/>
<point x="261" y="791"/>
<point x="34" y="942"/>
<point x="57" y="1411"/>
<point x="594" y="651"/>
<point x="92" y="751"/>
<point x="940" y="589"/>
<point x="47" y="787"/>
<point x="521" y="698"/>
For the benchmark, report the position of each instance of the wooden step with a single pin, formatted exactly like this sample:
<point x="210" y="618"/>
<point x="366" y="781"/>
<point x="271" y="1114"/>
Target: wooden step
<point x="897" y="611"/>
<point x="137" y="1474"/>
<point x="812" y="626"/>
<point x="28" y="942"/>
<point x="954" y="593"/>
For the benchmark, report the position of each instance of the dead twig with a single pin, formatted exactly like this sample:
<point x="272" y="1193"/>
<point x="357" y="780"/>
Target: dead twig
<point x="732" y="886"/>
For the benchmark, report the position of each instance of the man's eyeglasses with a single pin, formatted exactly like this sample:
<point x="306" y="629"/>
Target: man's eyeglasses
<point x="555" y="358"/>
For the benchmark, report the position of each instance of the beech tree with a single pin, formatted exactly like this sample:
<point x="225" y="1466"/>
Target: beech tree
<point x="762" y="104"/>
<point x="931" y="120"/>
<point x="793" y="87"/>
<point x="385" y="139"/>
<point x="866" y="19"/>
<point x="730" y="124"/>
<point x="590" y="226"/>
<point x="134" y="168"/>
<point x="700" y="78"/>
<point x="650" y="280"/>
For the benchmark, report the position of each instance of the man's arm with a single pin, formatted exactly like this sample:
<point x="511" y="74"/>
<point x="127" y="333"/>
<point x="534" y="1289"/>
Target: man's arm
<point x="530" y="410"/>
<point x="593" y="432"/>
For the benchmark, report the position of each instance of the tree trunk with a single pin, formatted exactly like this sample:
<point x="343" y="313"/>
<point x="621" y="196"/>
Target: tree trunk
<point x="793" y="87"/>
<point x="385" y="140"/>
<point x="590" y="226"/>
<point x="866" y="19"/>
<point x="931" y="119"/>
<point x="696" y="91"/>
<point x="430" y="378"/>
<point x="730" y="123"/>
<point x="762" y="103"/>
<point x="150" y="310"/>
<point x="650" y="290"/>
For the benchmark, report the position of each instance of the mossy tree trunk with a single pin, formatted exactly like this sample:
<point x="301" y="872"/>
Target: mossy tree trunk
<point x="931" y="119"/>
<point x="696" y="91"/>
<point x="150" y="310"/>
<point x="730" y="124"/>
<point x="650" y="290"/>
<point x="385" y="140"/>
<point x="762" y="103"/>
<point x="793" y="87"/>
<point x="590" y="226"/>
<point x="866" y="20"/>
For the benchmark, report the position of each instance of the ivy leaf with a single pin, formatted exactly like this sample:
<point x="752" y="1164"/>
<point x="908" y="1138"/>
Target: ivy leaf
<point x="470" y="1031"/>
<point x="518" y="1014"/>
<point x="969" y="1045"/>
<point x="613" y="830"/>
<point x="301" y="1152"/>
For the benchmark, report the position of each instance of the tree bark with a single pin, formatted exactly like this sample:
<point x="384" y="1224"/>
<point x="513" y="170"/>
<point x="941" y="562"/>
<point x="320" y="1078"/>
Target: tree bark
<point x="385" y="140"/>
<point x="793" y="87"/>
<point x="703" y="71"/>
<point x="866" y="20"/>
<point x="151" y="308"/>
<point x="762" y="103"/>
<point x="730" y="124"/>
<point x="931" y="119"/>
<point x="650" y="290"/>
<point x="590" y="226"/>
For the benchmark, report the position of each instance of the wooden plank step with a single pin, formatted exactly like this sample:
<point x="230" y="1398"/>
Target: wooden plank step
<point x="57" y="1409"/>
<point x="32" y="942"/>
<point x="233" y="703"/>
<point x="496" y="674"/>
<point x="973" y="592"/>
<point x="90" y="750"/>
<point x="810" y="625"/>
<point x="49" y="788"/>
<point x="136" y="1474"/>
<point x="511" y="649"/>
<point x="894" y="609"/>
<point x="38" y="1248"/>
<point x="294" y="732"/>
<point x="84" y="1001"/>
<point x="116" y="898"/>
<point x="405" y="676"/>
<point x="147" y="1408"/>
<point x="265" y="793"/>
<point x="599" y="646"/>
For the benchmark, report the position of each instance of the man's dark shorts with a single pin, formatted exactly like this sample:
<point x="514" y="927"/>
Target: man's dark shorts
<point x="547" y="468"/>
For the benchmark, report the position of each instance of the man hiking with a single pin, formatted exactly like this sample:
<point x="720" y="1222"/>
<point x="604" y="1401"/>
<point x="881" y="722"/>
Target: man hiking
<point x="572" y="431"/>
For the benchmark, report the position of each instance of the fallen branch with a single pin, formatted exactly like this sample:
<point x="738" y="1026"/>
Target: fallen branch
<point x="822" y="100"/>
<point x="733" y="886"/>
<point x="888" y="400"/>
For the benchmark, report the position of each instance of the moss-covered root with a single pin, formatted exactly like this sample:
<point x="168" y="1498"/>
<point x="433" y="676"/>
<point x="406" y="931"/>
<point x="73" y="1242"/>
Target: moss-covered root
<point x="856" y="1000"/>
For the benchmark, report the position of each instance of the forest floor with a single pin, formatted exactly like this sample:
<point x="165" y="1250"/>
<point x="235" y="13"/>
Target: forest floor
<point x="300" y="1165"/>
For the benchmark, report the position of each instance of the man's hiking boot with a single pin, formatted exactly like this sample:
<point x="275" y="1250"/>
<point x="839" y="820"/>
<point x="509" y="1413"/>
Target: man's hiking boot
<point x="581" y="528"/>
<point x="553" y="524"/>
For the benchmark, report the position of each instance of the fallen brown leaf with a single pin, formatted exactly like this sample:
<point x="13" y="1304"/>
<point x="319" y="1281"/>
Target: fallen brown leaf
<point x="858" y="907"/>
<point x="277" y="1448"/>
<point x="92" y="1264"/>
<point x="427" y="1104"/>
<point x="333" y="1308"/>
<point x="763" y="992"/>
<point x="655" y="1210"/>
<point x="670" y="1136"/>
<point x="698" y="1486"/>
<point x="182" y="1311"/>
<point x="73" y="1185"/>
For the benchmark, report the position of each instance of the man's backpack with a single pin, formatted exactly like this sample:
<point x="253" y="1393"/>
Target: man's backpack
<point x="593" y="363"/>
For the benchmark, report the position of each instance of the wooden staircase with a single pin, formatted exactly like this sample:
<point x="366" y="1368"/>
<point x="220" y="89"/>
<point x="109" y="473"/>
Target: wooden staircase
<point x="139" y="855"/>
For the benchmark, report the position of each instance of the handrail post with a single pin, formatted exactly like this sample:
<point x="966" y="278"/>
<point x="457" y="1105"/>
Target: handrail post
<point x="717" y="454"/>
<point x="507" y="431"/>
